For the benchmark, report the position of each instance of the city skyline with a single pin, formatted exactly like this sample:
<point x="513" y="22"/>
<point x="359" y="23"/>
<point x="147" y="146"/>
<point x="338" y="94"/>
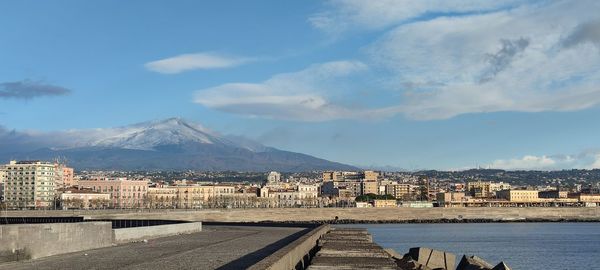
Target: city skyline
<point x="428" y="85"/>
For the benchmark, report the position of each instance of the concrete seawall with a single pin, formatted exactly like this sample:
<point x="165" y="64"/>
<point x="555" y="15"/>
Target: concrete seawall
<point x="31" y="241"/>
<point x="328" y="214"/>
<point x="125" y="235"/>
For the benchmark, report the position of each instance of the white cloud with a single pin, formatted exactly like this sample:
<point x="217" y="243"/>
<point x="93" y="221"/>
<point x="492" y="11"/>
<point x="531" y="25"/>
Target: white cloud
<point x="477" y="57"/>
<point x="596" y="163"/>
<point x="301" y="95"/>
<point x="584" y="160"/>
<point x="186" y="62"/>
<point x="526" y="163"/>
<point x="345" y="15"/>
<point x="500" y="61"/>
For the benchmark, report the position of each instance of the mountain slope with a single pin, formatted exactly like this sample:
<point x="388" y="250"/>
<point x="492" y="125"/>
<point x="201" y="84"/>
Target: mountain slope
<point x="172" y="144"/>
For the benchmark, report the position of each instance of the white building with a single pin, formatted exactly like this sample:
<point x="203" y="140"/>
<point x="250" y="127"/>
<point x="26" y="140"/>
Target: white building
<point x="2" y="181"/>
<point x="274" y="177"/>
<point x="83" y="199"/>
<point x="297" y="196"/>
<point x="30" y="184"/>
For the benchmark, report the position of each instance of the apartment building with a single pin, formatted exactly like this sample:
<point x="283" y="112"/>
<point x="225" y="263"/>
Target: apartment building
<point x="2" y="181"/>
<point x="371" y="175"/>
<point x="485" y="189"/>
<point x="399" y="191"/>
<point x="518" y="195"/>
<point x="66" y="176"/>
<point x="369" y="187"/>
<point x="125" y="193"/>
<point x="162" y="197"/>
<point x="300" y="195"/>
<point x="29" y="184"/>
<point x="447" y="198"/>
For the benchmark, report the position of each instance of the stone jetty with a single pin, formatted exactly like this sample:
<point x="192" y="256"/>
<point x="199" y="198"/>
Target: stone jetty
<point x="353" y="248"/>
<point x="350" y="249"/>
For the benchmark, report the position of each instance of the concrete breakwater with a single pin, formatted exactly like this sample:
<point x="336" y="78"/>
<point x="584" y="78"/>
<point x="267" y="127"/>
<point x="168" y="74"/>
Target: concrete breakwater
<point x="353" y="248"/>
<point x="342" y="215"/>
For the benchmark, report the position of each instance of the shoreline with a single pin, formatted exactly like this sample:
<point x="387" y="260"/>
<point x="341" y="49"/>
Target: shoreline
<point x="432" y="221"/>
<point x="339" y="215"/>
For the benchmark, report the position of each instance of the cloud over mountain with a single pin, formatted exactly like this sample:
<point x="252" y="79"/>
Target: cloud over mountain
<point x="171" y="144"/>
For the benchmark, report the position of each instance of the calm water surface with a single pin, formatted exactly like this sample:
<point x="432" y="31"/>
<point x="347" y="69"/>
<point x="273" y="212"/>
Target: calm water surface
<point x="523" y="246"/>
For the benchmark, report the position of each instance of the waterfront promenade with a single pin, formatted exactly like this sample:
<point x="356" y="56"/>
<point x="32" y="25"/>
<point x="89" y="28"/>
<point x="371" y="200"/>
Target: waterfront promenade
<point x="368" y="215"/>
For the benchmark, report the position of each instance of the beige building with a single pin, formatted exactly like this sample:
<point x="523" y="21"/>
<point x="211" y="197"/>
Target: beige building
<point x="162" y="197"/>
<point x="371" y="175"/>
<point x="485" y="189"/>
<point x="30" y="184"/>
<point x="384" y="203"/>
<point x="399" y="191"/>
<point x="332" y="176"/>
<point x="341" y="188"/>
<point x="498" y="186"/>
<point x="342" y="176"/>
<point x="197" y="196"/>
<point x="125" y="193"/>
<point x="2" y="173"/>
<point x="83" y="199"/>
<point x="308" y="190"/>
<point x="193" y="196"/>
<point x="369" y="187"/>
<point x="479" y="189"/>
<point x="300" y="195"/>
<point x="518" y="195"/>
<point x="447" y="198"/>
<point x="587" y="198"/>
<point x="66" y="177"/>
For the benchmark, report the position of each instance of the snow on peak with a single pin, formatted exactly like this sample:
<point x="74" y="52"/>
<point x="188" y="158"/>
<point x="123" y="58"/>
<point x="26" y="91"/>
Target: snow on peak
<point x="146" y="136"/>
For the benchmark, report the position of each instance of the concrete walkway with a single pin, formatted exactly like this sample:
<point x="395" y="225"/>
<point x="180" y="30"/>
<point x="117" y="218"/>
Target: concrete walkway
<point x="217" y="247"/>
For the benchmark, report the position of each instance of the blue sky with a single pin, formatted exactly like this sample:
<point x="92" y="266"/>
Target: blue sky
<point x="411" y="84"/>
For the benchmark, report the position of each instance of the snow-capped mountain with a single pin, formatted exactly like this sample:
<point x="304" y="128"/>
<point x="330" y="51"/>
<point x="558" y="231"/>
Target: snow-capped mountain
<point x="167" y="144"/>
<point x="148" y="135"/>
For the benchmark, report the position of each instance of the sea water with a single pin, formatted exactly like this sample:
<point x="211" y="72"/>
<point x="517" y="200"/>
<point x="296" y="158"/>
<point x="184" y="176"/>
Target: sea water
<point x="523" y="246"/>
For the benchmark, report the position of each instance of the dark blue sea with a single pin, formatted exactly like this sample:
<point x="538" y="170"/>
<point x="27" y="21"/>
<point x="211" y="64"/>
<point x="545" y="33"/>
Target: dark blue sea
<point x="523" y="246"/>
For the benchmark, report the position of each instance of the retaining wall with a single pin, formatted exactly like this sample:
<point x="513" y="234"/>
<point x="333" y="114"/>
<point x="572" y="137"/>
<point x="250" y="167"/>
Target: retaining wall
<point x="30" y="241"/>
<point x="139" y="233"/>
<point x="297" y="253"/>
